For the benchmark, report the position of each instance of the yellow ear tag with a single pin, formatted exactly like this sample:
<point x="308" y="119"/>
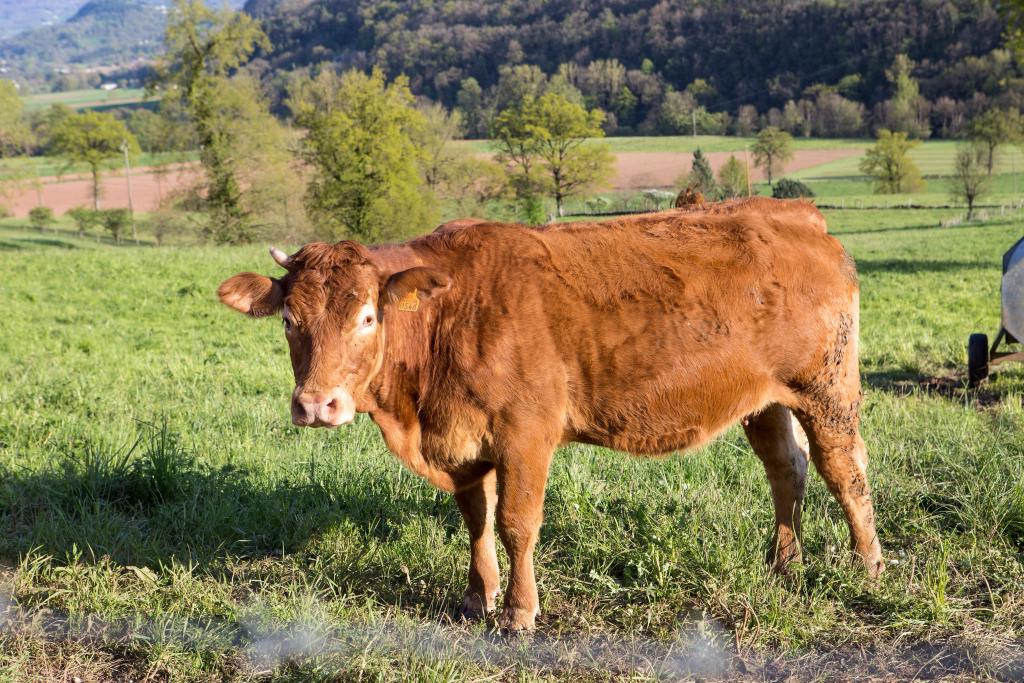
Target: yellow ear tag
<point x="409" y="302"/>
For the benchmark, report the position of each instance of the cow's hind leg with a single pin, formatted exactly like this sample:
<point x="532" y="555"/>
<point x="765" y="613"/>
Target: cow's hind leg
<point x="829" y="410"/>
<point x="776" y="440"/>
<point x="477" y="503"/>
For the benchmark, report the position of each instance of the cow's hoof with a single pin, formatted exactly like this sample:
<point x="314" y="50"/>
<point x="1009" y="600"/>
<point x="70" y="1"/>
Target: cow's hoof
<point x="475" y="607"/>
<point x="875" y="568"/>
<point x="513" y="620"/>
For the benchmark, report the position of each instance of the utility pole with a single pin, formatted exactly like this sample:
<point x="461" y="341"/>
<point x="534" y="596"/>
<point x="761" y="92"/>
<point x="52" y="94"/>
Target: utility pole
<point x="128" y="178"/>
<point x="693" y="114"/>
<point x="746" y="162"/>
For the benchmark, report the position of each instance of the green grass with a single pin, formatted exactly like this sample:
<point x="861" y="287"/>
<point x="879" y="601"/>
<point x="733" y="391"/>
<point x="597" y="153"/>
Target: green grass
<point x="91" y="98"/>
<point x="160" y="516"/>
<point x="25" y="168"/>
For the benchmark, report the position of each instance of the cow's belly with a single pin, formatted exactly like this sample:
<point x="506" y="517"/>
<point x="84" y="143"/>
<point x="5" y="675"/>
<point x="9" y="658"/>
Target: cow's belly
<point x="672" y="411"/>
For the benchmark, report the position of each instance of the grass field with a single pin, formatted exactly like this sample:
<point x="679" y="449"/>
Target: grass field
<point x="160" y="518"/>
<point x="91" y="98"/>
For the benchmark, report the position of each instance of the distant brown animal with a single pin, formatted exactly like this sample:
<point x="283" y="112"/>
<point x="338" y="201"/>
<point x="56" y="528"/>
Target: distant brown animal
<point x="482" y="347"/>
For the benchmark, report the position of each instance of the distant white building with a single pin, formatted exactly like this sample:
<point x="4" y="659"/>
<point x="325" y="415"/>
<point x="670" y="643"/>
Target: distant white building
<point x="108" y="86"/>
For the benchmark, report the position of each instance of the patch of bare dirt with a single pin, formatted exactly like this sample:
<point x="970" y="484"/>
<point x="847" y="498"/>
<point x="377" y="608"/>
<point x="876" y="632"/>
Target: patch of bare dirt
<point x="639" y="170"/>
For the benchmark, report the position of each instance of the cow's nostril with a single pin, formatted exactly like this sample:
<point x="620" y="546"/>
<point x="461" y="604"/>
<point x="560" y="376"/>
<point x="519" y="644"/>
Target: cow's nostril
<point x="332" y="405"/>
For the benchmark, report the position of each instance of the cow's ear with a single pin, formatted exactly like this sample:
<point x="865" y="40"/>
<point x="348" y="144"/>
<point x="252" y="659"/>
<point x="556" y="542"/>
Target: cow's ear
<point x="252" y="294"/>
<point x="408" y="288"/>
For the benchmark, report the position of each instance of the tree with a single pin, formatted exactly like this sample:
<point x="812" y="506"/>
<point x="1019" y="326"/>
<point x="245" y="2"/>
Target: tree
<point x="40" y="217"/>
<point x="732" y="178"/>
<point x="890" y="164"/>
<point x="787" y="188"/>
<point x="15" y="135"/>
<point x="994" y="128"/>
<point x="84" y="218"/>
<point x="360" y="142"/>
<point x="552" y="132"/>
<point x="903" y="112"/>
<point x="434" y="139"/>
<point x="115" y="221"/>
<point x="93" y="138"/>
<point x="204" y="47"/>
<point x="700" y="178"/>
<point x="471" y="183"/>
<point x="970" y="179"/>
<point x="470" y="103"/>
<point x="772" y="149"/>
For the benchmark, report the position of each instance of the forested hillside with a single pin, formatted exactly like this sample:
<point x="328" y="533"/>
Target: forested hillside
<point x="721" y="54"/>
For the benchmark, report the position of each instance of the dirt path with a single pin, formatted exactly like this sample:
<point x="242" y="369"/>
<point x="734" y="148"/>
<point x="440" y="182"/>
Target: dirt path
<point x="639" y="170"/>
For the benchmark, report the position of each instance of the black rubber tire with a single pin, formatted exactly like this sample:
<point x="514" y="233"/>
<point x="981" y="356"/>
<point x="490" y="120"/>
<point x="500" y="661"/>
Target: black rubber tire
<point x="977" y="359"/>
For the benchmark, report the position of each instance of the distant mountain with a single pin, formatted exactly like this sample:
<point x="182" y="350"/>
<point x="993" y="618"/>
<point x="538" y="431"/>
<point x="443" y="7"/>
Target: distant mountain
<point x="36" y="35"/>
<point x="17" y="16"/>
<point x="100" y="32"/>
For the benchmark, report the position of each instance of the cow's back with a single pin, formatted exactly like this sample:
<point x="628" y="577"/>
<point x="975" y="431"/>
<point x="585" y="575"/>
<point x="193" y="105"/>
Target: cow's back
<point x="648" y="333"/>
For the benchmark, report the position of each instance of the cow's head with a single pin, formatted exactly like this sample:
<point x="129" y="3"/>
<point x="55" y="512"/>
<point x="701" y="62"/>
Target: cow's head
<point x="333" y="301"/>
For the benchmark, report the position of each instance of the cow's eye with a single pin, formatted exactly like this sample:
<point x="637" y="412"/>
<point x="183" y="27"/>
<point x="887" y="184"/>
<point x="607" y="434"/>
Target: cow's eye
<point x="287" y="325"/>
<point x="368" y="320"/>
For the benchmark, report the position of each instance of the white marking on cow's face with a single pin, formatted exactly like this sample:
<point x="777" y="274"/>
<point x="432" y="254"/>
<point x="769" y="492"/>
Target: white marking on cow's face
<point x="366" y="319"/>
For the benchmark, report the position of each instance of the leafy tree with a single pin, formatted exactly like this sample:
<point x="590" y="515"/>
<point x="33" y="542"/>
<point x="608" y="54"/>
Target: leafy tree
<point x="204" y="46"/>
<point x="93" y="138"/>
<point x="115" y="221"/>
<point x="787" y="188"/>
<point x="470" y="104"/>
<point x="471" y="183"/>
<point x="434" y="139"/>
<point x="994" y="128"/>
<point x="903" y="111"/>
<point x="360" y="141"/>
<point x="971" y="179"/>
<point x="549" y="134"/>
<point x="732" y="178"/>
<point x="15" y="134"/>
<point x="40" y="217"/>
<point x="700" y="178"/>
<point x="84" y="218"/>
<point x="890" y="164"/>
<point x="45" y="122"/>
<point x="772" y="149"/>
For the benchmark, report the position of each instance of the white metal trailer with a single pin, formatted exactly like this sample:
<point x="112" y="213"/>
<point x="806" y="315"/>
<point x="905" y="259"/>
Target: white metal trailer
<point x="981" y="356"/>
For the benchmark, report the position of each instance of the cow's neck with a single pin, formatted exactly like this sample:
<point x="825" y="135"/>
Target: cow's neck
<point x="396" y="388"/>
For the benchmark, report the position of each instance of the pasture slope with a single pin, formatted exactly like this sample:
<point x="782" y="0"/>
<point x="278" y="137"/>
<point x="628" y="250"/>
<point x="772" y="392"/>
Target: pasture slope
<point x="160" y="519"/>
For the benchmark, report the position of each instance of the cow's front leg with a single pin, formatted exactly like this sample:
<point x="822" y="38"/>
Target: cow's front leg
<point x="477" y="503"/>
<point x="521" y="482"/>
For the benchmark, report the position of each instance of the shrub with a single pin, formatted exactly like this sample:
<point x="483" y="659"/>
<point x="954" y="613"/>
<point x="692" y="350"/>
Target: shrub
<point x="84" y="218"/>
<point x="5" y="212"/>
<point x="167" y="223"/>
<point x="115" y="221"/>
<point x="788" y="188"/>
<point x="40" y="217"/>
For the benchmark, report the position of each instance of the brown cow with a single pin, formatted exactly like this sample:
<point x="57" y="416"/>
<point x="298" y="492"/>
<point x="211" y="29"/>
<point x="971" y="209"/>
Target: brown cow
<point x="480" y="348"/>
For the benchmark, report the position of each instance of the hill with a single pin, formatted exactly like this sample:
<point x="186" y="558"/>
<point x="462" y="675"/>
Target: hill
<point x="101" y="32"/>
<point x="748" y="51"/>
<point x="93" y="33"/>
<point x="17" y="16"/>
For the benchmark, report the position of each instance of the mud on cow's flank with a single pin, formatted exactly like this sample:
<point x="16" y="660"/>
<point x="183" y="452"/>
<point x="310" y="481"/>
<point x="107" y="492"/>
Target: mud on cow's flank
<point x="230" y="545"/>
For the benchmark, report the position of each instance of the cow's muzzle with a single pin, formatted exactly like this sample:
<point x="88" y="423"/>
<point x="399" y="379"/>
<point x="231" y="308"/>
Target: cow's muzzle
<point x="322" y="409"/>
